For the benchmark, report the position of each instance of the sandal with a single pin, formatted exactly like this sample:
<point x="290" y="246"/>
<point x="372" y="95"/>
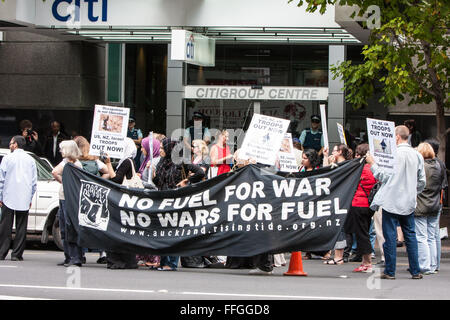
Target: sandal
<point x="327" y="256"/>
<point x="334" y="262"/>
<point x="166" y="268"/>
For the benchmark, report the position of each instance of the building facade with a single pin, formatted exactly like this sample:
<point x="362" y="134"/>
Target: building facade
<point x="60" y="58"/>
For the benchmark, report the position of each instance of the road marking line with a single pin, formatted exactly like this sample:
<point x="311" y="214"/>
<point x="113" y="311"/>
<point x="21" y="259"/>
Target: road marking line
<point x="249" y="295"/>
<point x="8" y="267"/>
<point x="20" y="298"/>
<point x="75" y="288"/>
<point x="275" y="296"/>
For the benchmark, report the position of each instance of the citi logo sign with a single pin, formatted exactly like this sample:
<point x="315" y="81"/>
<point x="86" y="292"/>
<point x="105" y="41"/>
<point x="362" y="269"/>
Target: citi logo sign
<point x="190" y="46"/>
<point x="72" y="10"/>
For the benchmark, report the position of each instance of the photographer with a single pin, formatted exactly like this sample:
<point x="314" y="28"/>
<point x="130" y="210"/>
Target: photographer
<point x="31" y="137"/>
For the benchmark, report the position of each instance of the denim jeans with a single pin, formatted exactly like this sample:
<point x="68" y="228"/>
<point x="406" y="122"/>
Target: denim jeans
<point x="372" y="235"/>
<point x="426" y="239"/>
<point x="389" y="224"/>
<point x="438" y="240"/>
<point x="171" y="261"/>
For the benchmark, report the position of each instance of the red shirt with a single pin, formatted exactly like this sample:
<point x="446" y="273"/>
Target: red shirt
<point x="367" y="181"/>
<point x="222" y="153"/>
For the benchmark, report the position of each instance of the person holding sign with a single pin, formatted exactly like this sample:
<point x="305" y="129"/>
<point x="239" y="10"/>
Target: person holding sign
<point x="398" y="198"/>
<point x="125" y="169"/>
<point x="312" y="138"/>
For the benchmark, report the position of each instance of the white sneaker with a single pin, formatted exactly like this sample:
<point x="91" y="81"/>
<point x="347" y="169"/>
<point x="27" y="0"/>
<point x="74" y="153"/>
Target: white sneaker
<point x="260" y="272"/>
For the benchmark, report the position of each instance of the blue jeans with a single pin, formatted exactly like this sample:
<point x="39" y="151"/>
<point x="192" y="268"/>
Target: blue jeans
<point x="171" y="261"/>
<point x="438" y="240"/>
<point x="372" y="235"/>
<point x="426" y="239"/>
<point x="389" y="225"/>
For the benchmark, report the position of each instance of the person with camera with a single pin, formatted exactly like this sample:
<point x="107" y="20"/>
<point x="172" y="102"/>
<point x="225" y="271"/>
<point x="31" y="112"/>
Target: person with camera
<point x="31" y="137"/>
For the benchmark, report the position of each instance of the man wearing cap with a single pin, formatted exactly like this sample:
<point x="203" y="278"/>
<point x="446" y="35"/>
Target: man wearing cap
<point x="312" y="138"/>
<point x="136" y="135"/>
<point x="197" y="131"/>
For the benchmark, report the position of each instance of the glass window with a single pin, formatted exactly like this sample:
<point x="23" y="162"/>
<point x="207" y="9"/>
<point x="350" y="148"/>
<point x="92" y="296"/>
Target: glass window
<point x="271" y="65"/>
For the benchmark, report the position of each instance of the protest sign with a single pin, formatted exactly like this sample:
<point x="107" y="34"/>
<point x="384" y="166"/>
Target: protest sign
<point x="286" y="156"/>
<point x="324" y="126"/>
<point x="263" y="139"/>
<point x="341" y="133"/>
<point x="109" y="130"/>
<point x="383" y="147"/>
<point x="242" y="213"/>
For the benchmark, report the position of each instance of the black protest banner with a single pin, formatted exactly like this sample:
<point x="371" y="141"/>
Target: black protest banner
<point x="242" y="213"/>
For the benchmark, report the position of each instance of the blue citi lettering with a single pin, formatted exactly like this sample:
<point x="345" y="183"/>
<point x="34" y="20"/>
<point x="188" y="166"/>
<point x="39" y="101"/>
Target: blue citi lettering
<point x="190" y="48"/>
<point x="64" y="18"/>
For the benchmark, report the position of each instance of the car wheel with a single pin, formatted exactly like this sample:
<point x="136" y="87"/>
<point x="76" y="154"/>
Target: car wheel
<point x="56" y="233"/>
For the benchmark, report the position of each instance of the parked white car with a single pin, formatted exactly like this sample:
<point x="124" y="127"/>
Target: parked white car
<point x="42" y="218"/>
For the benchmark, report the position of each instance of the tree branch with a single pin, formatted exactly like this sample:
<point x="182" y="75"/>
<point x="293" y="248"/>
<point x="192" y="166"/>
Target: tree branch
<point x="411" y="69"/>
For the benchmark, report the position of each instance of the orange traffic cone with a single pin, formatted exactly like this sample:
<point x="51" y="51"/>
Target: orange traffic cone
<point x="296" y="265"/>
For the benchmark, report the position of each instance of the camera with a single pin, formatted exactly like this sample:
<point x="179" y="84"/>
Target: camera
<point x="29" y="132"/>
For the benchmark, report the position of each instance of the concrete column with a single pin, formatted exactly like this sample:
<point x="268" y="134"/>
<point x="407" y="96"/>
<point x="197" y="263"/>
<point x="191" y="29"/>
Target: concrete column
<point x="336" y="97"/>
<point x="175" y="112"/>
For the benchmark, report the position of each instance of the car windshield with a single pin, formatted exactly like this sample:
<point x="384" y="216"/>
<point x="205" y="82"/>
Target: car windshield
<point x="43" y="169"/>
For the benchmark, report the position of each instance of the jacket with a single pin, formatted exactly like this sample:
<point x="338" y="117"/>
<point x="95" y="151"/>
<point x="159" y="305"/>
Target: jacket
<point x="428" y="202"/>
<point x="360" y="199"/>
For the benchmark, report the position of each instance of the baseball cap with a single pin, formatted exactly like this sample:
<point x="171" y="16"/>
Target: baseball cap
<point x="197" y="115"/>
<point x="131" y="119"/>
<point x="315" y="117"/>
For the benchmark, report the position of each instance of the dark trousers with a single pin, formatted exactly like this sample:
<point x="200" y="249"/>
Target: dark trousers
<point x="6" y="224"/>
<point x="263" y="261"/>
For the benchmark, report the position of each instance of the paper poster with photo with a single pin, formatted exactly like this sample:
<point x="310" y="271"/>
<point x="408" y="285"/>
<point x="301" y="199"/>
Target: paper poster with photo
<point x="381" y="134"/>
<point x="263" y="139"/>
<point x="341" y="131"/>
<point x="109" y="130"/>
<point x="286" y="156"/>
<point x="323" y="117"/>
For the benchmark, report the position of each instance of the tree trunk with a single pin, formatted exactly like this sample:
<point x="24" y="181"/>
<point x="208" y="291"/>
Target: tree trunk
<point x="441" y="128"/>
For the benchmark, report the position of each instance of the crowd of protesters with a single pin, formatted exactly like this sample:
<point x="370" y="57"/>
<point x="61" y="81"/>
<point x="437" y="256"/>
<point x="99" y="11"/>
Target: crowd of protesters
<point x="409" y="199"/>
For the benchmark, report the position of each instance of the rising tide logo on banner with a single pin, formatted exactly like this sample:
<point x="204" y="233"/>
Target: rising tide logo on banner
<point x="263" y="139"/>
<point x="383" y="147"/>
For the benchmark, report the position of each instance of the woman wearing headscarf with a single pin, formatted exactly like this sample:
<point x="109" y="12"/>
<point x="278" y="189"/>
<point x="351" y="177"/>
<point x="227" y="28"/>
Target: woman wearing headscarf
<point x="151" y="159"/>
<point x="168" y="176"/>
<point x="116" y="260"/>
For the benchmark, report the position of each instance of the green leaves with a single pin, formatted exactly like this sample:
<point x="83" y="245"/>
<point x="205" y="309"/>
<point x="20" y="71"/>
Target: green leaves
<point x="407" y="55"/>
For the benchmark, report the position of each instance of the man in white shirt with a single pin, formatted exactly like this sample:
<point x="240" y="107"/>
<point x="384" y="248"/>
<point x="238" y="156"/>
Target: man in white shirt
<point x="398" y="198"/>
<point x="18" y="182"/>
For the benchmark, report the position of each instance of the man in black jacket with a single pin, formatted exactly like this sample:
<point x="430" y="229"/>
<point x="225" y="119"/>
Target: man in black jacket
<point x="51" y="145"/>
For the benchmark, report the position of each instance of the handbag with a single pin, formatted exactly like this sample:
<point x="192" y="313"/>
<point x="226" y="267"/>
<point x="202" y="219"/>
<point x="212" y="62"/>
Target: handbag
<point x="135" y="181"/>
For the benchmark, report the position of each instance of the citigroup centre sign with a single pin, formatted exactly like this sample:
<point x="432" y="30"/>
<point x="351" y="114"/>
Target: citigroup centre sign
<point x="256" y="93"/>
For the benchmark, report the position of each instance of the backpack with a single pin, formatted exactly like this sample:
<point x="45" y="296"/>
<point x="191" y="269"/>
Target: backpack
<point x="90" y="166"/>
